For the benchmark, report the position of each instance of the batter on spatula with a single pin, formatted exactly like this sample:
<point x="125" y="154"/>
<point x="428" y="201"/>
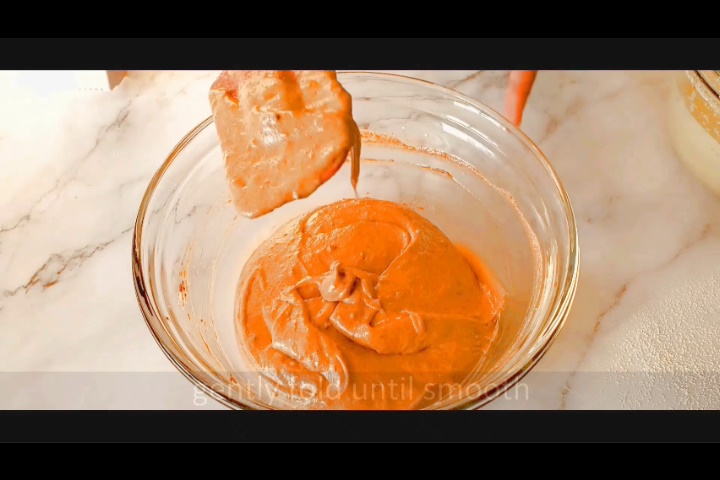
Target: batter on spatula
<point x="283" y="134"/>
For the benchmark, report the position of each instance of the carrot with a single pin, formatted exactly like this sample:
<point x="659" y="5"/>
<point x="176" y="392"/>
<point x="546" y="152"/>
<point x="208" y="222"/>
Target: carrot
<point x="518" y="91"/>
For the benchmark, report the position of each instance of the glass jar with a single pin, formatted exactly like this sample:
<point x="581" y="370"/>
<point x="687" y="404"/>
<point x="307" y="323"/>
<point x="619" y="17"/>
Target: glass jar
<point x="695" y="124"/>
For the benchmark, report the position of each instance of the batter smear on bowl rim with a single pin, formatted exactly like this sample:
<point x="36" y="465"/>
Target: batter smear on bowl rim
<point x="360" y="304"/>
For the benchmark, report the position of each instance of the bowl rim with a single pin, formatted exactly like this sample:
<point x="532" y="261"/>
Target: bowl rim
<point x="555" y="318"/>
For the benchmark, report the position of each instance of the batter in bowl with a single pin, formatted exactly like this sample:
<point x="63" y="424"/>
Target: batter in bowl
<point x="365" y="304"/>
<point x="361" y="304"/>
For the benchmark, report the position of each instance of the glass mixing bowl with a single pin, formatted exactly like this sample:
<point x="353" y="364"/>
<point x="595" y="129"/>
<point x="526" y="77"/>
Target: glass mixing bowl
<point x="462" y="166"/>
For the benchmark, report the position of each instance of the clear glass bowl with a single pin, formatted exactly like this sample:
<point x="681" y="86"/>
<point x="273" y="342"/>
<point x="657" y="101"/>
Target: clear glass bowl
<point x="472" y="173"/>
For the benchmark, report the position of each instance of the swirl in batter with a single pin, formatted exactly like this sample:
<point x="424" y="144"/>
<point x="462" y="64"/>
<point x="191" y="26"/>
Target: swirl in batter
<point x="365" y="304"/>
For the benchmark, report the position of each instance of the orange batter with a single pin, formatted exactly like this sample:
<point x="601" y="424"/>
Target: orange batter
<point x="283" y="134"/>
<point x="365" y="304"/>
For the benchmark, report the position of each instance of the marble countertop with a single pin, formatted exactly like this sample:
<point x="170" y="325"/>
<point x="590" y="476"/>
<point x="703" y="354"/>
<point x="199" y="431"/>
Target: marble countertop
<point x="643" y="332"/>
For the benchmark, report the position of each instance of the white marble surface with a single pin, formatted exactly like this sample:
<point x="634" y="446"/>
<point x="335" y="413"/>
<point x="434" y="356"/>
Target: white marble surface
<point x="643" y="332"/>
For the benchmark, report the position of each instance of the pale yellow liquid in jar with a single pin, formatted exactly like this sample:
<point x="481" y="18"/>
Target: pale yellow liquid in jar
<point x="695" y="128"/>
